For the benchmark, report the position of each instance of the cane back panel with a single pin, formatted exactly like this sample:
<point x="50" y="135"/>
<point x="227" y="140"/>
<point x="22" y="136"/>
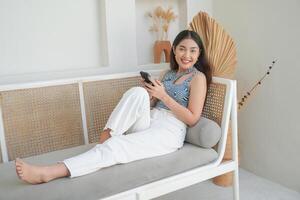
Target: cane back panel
<point x="100" y="99"/>
<point x="214" y="104"/>
<point x="41" y="120"/>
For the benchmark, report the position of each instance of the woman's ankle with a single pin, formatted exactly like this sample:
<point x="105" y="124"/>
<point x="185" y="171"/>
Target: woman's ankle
<point x="105" y="135"/>
<point x="55" y="171"/>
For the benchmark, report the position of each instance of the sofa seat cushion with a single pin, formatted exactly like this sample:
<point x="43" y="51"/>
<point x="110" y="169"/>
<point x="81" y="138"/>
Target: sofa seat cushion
<point x="105" y="182"/>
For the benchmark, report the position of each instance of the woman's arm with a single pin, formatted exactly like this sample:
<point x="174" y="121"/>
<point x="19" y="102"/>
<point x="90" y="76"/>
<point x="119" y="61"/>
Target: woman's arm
<point x="192" y="113"/>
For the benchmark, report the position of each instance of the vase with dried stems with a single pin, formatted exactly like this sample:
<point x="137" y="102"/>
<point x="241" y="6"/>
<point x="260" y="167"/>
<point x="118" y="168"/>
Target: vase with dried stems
<point x="161" y="20"/>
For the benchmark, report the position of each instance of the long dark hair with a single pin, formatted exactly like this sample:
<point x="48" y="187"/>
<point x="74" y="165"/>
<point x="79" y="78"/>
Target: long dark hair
<point x="201" y="64"/>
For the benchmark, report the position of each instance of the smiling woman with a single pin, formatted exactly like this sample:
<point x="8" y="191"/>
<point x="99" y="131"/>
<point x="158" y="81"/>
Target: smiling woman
<point x="188" y="50"/>
<point x="186" y="53"/>
<point x="134" y="130"/>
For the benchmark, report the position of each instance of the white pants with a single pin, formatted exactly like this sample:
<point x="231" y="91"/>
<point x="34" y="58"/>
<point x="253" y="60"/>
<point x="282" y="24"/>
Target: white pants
<point x="149" y="133"/>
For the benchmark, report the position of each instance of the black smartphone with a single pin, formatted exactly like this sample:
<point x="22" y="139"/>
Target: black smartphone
<point x="146" y="76"/>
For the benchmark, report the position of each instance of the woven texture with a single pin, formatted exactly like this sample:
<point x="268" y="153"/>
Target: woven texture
<point x="214" y="105"/>
<point x="41" y="120"/>
<point x="101" y="97"/>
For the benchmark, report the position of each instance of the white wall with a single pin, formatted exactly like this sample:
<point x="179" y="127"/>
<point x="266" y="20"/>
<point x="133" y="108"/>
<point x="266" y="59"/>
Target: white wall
<point x="269" y="128"/>
<point x="121" y="33"/>
<point x="51" y="39"/>
<point x="195" y="6"/>
<point x="49" y="35"/>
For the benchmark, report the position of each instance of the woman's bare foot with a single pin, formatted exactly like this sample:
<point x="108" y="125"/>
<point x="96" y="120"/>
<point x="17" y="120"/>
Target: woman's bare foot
<point x="39" y="174"/>
<point x="104" y="135"/>
<point x="30" y="173"/>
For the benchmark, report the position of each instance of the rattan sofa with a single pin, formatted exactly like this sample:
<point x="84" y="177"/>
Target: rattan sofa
<point x="46" y="122"/>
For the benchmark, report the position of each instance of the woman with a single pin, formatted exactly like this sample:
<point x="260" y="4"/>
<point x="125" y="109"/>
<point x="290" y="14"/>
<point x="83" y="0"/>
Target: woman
<point x="177" y="102"/>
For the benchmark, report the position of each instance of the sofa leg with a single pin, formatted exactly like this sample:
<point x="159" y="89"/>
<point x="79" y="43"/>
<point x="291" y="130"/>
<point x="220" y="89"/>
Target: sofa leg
<point x="236" y="187"/>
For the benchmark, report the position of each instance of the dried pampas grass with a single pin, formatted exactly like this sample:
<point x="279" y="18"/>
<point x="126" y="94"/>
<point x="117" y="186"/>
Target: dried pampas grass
<point x="161" y="22"/>
<point x="219" y="46"/>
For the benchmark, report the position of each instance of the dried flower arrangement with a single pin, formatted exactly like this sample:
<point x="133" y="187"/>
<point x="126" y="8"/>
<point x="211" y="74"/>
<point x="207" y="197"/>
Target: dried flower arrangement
<point x="259" y="82"/>
<point x="161" y="22"/>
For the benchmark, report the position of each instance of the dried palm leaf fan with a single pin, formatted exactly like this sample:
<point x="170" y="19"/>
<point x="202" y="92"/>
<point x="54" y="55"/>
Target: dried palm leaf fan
<point x="219" y="46"/>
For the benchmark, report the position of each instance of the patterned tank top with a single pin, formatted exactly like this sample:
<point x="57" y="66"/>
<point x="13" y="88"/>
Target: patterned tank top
<point x="179" y="92"/>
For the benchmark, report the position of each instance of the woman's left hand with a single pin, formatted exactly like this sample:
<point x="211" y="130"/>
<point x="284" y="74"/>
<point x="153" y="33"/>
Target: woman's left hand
<point x="156" y="90"/>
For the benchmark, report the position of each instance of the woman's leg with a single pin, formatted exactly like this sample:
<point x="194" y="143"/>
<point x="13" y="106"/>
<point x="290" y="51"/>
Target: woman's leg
<point x="34" y="174"/>
<point x="131" y="114"/>
<point x="96" y="158"/>
<point x="104" y="135"/>
<point x="165" y="135"/>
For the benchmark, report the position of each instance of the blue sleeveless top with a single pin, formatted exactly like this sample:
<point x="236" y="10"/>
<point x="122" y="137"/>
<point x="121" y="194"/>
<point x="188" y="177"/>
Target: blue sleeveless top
<point x="179" y="92"/>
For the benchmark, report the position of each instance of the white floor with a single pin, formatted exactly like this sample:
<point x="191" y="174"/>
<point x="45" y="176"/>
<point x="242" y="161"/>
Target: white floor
<point x="252" y="187"/>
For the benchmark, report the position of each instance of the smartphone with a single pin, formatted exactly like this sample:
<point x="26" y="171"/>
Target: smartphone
<point x="146" y="76"/>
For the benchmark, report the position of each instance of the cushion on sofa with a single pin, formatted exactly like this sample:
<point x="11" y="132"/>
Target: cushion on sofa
<point x="206" y="133"/>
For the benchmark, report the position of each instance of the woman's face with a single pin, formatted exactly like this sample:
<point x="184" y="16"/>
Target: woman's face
<point x="186" y="54"/>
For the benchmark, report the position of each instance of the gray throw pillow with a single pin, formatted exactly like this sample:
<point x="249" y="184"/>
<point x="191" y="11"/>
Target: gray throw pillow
<point x="206" y="133"/>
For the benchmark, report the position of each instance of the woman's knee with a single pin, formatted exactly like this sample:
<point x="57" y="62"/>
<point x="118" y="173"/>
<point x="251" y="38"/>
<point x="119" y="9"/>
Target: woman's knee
<point x="137" y="92"/>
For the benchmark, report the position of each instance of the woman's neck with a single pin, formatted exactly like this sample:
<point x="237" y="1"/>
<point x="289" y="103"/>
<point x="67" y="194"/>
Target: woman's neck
<point x="188" y="70"/>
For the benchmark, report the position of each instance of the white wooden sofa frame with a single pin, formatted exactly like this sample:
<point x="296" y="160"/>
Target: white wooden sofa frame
<point x="172" y="183"/>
